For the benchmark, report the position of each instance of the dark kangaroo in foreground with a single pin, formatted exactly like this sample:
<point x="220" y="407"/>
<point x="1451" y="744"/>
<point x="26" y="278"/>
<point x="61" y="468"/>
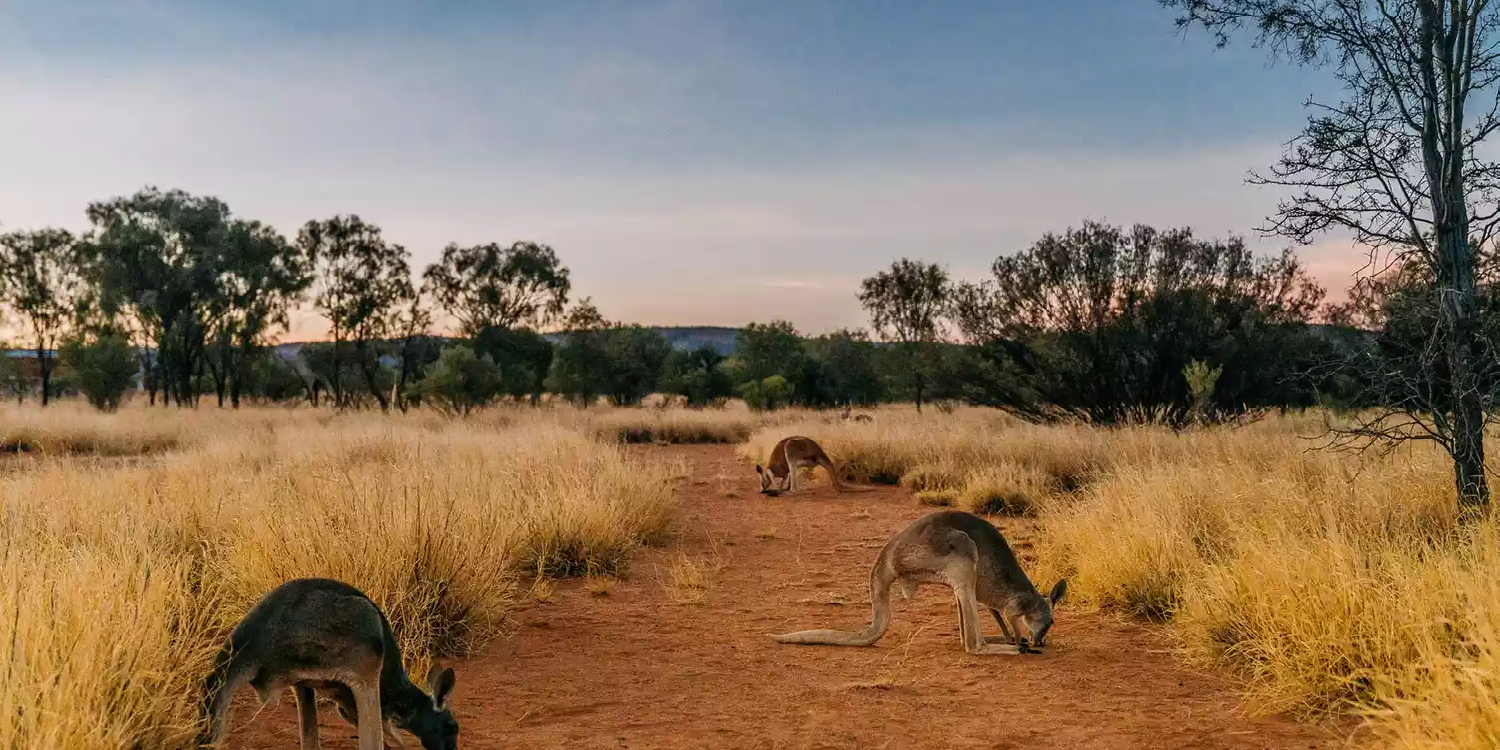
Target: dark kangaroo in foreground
<point x="969" y="555"/>
<point x="317" y="633"/>
<point x="787" y="457"/>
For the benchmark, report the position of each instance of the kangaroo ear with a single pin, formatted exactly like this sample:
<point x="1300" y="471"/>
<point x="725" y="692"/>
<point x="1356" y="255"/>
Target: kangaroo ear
<point x="440" y="682"/>
<point x="1059" y="591"/>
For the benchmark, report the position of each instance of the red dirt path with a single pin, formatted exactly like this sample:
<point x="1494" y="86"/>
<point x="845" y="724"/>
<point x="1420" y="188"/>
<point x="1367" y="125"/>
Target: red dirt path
<point x="634" y="668"/>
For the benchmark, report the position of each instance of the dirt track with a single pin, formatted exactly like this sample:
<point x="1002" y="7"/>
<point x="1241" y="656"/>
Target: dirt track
<point x="634" y="668"/>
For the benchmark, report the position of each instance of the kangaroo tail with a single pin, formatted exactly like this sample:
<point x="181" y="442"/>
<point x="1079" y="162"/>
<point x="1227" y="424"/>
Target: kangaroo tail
<point x="881" y="579"/>
<point x="833" y="473"/>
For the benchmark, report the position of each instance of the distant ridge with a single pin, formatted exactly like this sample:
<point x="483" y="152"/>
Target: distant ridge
<point x="693" y="337"/>
<point x="721" y="338"/>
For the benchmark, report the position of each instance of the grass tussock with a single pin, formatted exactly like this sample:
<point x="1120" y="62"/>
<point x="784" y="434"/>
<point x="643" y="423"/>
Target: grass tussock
<point x="69" y="429"/>
<point x="443" y="525"/>
<point x="1329" y="583"/>
<point x="659" y="424"/>
<point x="675" y="425"/>
<point x="687" y="579"/>
<point x="1445" y="698"/>
<point x="982" y="460"/>
<point x="667" y="424"/>
<point x="1316" y="577"/>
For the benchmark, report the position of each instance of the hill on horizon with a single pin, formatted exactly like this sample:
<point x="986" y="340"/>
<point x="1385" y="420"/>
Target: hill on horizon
<point x="721" y="338"/>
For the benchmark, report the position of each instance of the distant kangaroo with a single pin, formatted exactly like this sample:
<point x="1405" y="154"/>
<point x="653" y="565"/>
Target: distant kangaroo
<point x="787" y="457"/>
<point x="325" y="634"/>
<point x="846" y="416"/>
<point x="967" y="554"/>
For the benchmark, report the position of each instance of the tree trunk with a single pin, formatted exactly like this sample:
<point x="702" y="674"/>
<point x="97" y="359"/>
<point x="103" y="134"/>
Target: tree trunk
<point x="398" y="392"/>
<point x="1457" y="287"/>
<point x="370" y="368"/>
<point x="193" y="373"/>
<point x="1445" y="80"/>
<point x="235" y="370"/>
<point x="338" y="367"/>
<point x="913" y="364"/>
<point x="164" y="378"/>
<point x="46" y="372"/>
<point x="220" y="373"/>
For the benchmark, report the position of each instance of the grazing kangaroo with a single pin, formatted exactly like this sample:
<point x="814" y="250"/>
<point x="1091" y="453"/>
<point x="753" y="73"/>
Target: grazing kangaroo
<point x="846" y="416"/>
<point x="967" y="554"/>
<point x="325" y="634"/>
<point x="787" y="457"/>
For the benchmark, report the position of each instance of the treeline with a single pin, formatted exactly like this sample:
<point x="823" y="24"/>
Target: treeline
<point x="176" y="291"/>
<point x="1099" y="323"/>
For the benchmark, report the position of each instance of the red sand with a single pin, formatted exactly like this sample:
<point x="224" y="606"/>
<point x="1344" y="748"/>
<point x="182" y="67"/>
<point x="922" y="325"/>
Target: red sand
<point x="631" y="668"/>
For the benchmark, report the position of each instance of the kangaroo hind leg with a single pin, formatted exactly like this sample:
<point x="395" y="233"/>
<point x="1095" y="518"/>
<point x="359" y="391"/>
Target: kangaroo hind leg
<point x="307" y="717"/>
<point x="961" y="573"/>
<point x="833" y="473"/>
<point x="369" y="725"/>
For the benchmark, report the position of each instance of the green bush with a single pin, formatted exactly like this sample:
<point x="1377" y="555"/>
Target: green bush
<point x="767" y="394"/>
<point x="698" y="376"/>
<point x="103" y="368"/>
<point x="459" y="382"/>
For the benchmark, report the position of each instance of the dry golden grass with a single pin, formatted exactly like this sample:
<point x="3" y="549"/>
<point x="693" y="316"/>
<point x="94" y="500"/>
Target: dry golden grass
<point x="980" y="459"/>
<point x="1312" y="577"/>
<point x="75" y="429"/>
<point x="686" y="580"/>
<point x="122" y="580"/>
<point x="1330" y="583"/>
<point x="70" y="428"/>
<point x="731" y="424"/>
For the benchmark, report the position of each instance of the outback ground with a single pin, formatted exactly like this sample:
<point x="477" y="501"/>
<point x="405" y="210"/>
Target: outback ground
<point x="674" y="654"/>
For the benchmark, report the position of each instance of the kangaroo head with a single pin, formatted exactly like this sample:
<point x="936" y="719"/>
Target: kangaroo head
<point x="1037" y="616"/>
<point x="431" y="721"/>
<point x="765" y="481"/>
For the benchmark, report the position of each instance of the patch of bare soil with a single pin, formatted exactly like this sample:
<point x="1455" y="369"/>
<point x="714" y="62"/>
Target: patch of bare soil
<point x="676" y="654"/>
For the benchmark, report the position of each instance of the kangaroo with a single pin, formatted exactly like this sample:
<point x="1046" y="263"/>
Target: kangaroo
<point x="969" y="555"/>
<point x="787" y="457"/>
<point x="320" y="633"/>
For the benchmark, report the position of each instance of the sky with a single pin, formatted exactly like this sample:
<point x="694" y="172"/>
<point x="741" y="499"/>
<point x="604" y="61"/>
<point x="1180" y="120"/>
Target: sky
<point x="706" y="162"/>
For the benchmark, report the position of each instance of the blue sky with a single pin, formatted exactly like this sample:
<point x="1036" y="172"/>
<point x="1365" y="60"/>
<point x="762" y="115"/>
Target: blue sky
<point x="706" y="162"/>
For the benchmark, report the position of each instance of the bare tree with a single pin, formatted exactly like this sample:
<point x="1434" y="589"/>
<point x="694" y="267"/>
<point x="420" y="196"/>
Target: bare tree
<point x="1397" y="165"/>
<point x="908" y="301"/>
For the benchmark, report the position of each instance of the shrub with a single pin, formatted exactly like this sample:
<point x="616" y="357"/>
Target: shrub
<point x="460" y="382"/>
<point x="767" y="394"/>
<point x="104" y="369"/>
<point x="698" y="376"/>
